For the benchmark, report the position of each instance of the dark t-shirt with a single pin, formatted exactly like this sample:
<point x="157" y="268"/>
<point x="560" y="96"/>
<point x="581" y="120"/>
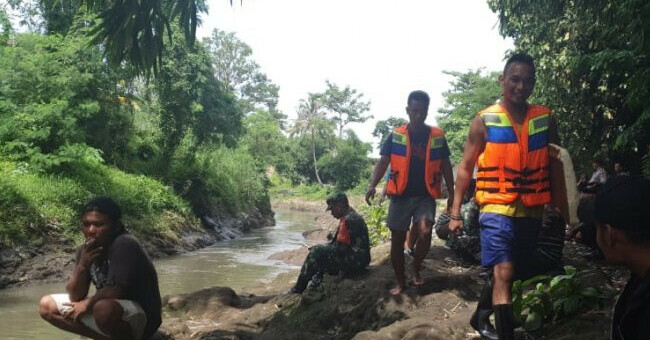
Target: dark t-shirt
<point x="129" y="266"/>
<point x="415" y="185"/>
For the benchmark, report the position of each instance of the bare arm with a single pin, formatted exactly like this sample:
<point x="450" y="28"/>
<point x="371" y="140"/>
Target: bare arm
<point x="448" y="175"/>
<point x="378" y="173"/>
<point x="473" y="147"/>
<point x="79" y="282"/>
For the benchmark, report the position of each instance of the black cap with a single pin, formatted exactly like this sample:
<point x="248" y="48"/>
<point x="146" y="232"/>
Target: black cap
<point x="623" y="203"/>
<point x="336" y="198"/>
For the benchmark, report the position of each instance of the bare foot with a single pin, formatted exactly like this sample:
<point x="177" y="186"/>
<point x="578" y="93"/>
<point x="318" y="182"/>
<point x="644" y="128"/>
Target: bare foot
<point x="418" y="281"/>
<point x="397" y="290"/>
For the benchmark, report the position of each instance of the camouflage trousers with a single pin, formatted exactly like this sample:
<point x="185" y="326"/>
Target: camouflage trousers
<point x="327" y="259"/>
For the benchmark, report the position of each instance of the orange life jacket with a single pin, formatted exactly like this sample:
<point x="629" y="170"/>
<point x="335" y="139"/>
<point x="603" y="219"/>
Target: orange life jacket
<point x="343" y="234"/>
<point x="514" y="165"/>
<point x="400" y="160"/>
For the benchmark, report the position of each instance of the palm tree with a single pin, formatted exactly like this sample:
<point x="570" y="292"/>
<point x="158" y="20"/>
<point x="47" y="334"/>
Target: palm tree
<point x="312" y="121"/>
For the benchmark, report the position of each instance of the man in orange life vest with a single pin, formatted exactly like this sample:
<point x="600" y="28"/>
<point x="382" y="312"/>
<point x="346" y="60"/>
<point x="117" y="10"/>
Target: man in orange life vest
<point x="508" y="142"/>
<point x="419" y="158"/>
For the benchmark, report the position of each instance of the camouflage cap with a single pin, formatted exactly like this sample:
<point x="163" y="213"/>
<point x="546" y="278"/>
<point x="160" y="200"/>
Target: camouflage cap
<point x="336" y="198"/>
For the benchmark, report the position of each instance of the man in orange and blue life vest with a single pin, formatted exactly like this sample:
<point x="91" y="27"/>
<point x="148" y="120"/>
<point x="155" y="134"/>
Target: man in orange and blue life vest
<point x="419" y="158"/>
<point x="509" y="144"/>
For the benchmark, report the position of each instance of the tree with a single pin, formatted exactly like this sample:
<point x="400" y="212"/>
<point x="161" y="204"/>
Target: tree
<point x="346" y="104"/>
<point x="235" y="69"/>
<point x="384" y="127"/>
<point x="312" y="122"/>
<point x="592" y="69"/>
<point x="470" y="92"/>
<point x="347" y="163"/>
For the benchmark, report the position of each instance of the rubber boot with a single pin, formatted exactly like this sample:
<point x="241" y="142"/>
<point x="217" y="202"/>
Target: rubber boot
<point x="503" y="318"/>
<point x="480" y="320"/>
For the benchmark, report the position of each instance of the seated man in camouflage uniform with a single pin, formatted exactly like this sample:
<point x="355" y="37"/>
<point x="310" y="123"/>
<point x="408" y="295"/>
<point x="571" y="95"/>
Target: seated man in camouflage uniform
<point x="347" y="253"/>
<point x="467" y="245"/>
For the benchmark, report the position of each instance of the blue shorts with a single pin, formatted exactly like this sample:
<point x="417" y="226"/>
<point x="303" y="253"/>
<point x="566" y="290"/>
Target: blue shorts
<point x="508" y="239"/>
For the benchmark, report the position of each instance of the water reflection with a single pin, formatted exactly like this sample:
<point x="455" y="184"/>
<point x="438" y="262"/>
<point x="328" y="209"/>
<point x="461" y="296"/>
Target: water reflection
<point x="234" y="263"/>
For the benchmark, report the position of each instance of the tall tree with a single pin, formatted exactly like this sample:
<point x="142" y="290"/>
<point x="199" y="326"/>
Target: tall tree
<point x="312" y="122"/>
<point x="593" y="69"/>
<point x="346" y="104"/>
<point x="235" y="68"/>
<point x="470" y="92"/>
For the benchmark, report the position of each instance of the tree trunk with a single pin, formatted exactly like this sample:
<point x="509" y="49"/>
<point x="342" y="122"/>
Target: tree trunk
<point x="313" y="153"/>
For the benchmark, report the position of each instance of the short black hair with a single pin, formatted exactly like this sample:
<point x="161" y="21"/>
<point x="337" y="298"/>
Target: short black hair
<point x="106" y="206"/>
<point x="337" y="198"/>
<point x="419" y="96"/>
<point x="598" y="161"/>
<point x="520" y="58"/>
<point x="624" y="203"/>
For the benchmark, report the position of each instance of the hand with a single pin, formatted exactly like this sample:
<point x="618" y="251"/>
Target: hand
<point x="89" y="252"/>
<point x="370" y="195"/>
<point x="455" y="227"/>
<point x="76" y="310"/>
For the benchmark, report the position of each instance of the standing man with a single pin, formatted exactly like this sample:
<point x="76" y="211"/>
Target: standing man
<point x="508" y="142"/>
<point x="419" y="158"/>
<point x="127" y="302"/>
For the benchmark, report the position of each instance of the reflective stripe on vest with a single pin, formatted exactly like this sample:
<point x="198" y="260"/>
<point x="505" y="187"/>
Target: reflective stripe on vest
<point x="514" y="166"/>
<point x="400" y="160"/>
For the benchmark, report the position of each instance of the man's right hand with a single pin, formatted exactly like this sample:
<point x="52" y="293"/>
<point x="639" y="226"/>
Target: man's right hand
<point x="370" y="195"/>
<point x="455" y="226"/>
<point x="89" y="252"/>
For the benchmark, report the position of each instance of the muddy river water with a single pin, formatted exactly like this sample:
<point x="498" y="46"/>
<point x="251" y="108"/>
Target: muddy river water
<point x="234" y="263"/>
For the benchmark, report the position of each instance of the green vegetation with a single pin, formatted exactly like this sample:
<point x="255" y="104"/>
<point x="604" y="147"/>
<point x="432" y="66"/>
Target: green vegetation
<point x="592" y="70"/>
<point x="375" y="217"/>
<point x="544" y="298"/>
<point x="73" y="126"/>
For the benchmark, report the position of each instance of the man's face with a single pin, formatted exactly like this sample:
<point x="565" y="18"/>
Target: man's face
<point x="517" y="83"/>
<point x="338" y="210"/>
<point x="417" y="112"/>
<point x="96" y="226"/>
<point x="618" y="168"/>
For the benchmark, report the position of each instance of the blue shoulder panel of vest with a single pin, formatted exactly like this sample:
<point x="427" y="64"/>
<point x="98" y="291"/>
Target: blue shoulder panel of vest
<point x="398" y="149"/>
<point x="435" y="154"/>
<point x="497" y="134"/>
<point x="538" y="140"/>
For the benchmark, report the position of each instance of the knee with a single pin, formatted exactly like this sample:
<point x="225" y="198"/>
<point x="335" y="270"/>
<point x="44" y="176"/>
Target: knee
<point x="47" y="307"/>
<point x="107" y="314"/>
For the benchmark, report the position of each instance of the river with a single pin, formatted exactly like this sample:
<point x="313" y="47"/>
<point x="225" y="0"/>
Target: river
<point x="235" y="263"/>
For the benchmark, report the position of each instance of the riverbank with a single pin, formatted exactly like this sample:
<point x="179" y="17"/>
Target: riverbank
<point x="50" y="257"/>
<point x="360" y="307"/>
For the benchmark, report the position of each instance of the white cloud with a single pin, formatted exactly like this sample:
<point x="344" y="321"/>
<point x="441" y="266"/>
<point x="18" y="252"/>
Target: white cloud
<point x="383" y="48"/>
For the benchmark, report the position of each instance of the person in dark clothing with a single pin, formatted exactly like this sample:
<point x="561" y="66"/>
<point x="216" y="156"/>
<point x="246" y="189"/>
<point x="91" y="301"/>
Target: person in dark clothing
<point x="127" y="303"/>
<point x="348" y="253"/>
<point x="621" y="211"/>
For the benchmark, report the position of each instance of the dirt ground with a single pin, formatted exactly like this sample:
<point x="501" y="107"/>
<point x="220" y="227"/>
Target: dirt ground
<point x="361" y="308"/>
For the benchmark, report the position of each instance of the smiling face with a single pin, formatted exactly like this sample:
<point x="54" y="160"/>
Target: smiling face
<point x="97" y="226"/>
<point x="517" y="83"/>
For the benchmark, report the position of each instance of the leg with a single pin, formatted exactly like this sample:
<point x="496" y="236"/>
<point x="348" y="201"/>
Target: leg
<point x="309" y="268"/>
<point x="49" y="311"/>
<point x="423" y="217"/>
<point x="411" y="237"/>
<point x="397" y="259"/>
<point x="497" y="240"/>
<point x="422" y="249"/>
<point x="108" y="315"/>
<point x="480" y="320"/>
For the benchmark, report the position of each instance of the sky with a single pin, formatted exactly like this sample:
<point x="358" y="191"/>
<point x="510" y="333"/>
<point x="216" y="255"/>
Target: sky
<point x="382" y="48"/>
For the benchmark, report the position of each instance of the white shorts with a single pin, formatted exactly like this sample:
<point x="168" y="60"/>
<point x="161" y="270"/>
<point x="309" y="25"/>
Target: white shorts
<point x="133" y="314"/>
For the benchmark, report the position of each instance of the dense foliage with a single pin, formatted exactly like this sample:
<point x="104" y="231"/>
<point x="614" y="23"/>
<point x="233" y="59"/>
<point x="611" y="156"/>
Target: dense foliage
<point x="593" y="71"/>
